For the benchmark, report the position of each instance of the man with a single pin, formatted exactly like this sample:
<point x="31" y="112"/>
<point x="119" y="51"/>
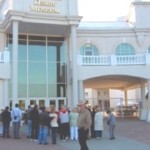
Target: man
<point x="44" y="122"/>
<point x="16" y="116"/>
<point x="111" y="121"/>
<point x="84" y="123"/>
<point x="6" y="118"/>
<point x="34" y="114"/>
<point x="28" y="121"/>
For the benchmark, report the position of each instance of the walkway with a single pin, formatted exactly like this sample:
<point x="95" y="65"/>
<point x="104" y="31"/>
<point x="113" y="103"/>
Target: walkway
<point x="131" y="134"/>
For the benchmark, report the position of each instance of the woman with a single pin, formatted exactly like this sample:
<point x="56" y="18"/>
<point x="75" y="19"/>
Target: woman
<point x="98" y="123"/>
<point x="54" y="124"/>
<point x="73" y="117"/>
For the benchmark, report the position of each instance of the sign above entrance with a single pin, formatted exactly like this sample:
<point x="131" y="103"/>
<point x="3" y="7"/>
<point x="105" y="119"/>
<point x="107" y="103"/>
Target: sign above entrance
<point x="45" y="6"/>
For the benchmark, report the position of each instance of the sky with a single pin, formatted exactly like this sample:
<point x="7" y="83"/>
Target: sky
<point x="103" y="10"/>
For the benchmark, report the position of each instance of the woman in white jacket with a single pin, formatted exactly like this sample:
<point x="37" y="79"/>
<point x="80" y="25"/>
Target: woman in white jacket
<point x="98" y="123"/>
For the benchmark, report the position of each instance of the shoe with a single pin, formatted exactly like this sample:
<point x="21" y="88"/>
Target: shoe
<point x="35" y="140"/>
<point x="66" y="139"/>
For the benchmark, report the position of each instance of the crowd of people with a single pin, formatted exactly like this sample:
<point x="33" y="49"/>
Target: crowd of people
<point x="78" y="124"/>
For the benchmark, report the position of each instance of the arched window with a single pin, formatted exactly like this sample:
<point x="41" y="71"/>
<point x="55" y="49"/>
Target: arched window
<point x="88" y="49"/>
<point x="125" y="49"/>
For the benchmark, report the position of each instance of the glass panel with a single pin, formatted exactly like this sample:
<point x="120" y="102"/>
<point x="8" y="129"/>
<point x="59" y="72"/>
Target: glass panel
<point x="89" y="49"/>
<point x="22" y="90"/>
<point x="52" y="70"/>
<point x="37" y="72"/>
<point x="37" y="51"/>
<point x="61" y="103"/>
<point x="51" y="53"/>
<point x="22" y="51"/>
<point x="37" y="90"/>
<point x="125" y="49"/>
<point x="32" y="102"/>
<point x="52" y="102"/>
<point x="41" y="103"/>
<point x="52" y="90"/>
<point x="22" y="104"/>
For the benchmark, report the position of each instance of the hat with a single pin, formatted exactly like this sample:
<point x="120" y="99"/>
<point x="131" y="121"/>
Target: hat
<point x="81" y="103"/>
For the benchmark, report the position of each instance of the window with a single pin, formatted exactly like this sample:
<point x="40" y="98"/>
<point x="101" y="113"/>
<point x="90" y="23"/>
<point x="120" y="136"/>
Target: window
<point x="88" y="50"/>
<point x="125" y="49"/>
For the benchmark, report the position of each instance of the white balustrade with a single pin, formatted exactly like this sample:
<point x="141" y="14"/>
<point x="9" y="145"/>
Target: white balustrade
<point x="114" y="60"/>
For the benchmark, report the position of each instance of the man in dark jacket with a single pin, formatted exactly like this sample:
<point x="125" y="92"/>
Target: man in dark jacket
<point x="6" y="118"/>
<point x="44" y="126"/>
<point x="34" y="114"/>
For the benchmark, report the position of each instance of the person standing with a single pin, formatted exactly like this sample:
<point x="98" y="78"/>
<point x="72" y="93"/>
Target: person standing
<point x="16" y="116"/>
<point x="53" y="124"/>
<point x="111" y="121"/>
<point x="84" y="123"/>
<point x="43" y="126"/>
<point x="64" y="124"/>
<point x="6" y="118"/>
<point x="73" y="117"/>
<point x="28" y="121"/>
<point x="98" y="123"/>
<point x="34" y="114"/>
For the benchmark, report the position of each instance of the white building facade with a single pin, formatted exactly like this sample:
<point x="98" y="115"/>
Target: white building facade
<point x="48" y="56"/>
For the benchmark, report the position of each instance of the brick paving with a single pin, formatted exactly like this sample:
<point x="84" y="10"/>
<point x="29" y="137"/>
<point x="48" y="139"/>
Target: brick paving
<point x="131" y="134"/>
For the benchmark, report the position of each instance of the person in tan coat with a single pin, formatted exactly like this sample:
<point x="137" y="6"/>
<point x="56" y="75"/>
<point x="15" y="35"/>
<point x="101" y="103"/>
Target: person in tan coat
<point x="84" y="123"/>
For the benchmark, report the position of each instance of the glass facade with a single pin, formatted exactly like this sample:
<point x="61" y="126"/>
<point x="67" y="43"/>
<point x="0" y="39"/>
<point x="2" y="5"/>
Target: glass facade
<point x="41" y="66"/>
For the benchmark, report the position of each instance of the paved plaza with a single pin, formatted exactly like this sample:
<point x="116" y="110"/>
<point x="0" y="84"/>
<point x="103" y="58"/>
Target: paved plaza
<point x="131" y="134"/>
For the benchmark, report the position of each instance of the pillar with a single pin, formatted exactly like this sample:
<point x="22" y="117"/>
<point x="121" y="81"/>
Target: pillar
<point x="15" y="64"/>
<point x="143" y="110"/>
<point x="148" y="113"/>
<point x="6" y="99"/>
<point x="74" y="100"/>
<point x="81" y="90"/>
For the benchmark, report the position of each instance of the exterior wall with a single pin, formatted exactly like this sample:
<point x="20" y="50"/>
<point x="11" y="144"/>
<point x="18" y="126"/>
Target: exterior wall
<point x="106" y="39"/>
<point x="53" y="7"/>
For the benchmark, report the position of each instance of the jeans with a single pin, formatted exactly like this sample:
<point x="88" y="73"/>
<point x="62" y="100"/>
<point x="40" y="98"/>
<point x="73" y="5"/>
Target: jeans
<point x="29" y="128"/>
<point x="54" y="134"/>
<point x="43" y="134"/>
<point x="98" y="133"/>
<point x="6" y="129"/>
<point x="16" y="128"/>
<point x="74" y="133"/>
<point x="111" y="130"/>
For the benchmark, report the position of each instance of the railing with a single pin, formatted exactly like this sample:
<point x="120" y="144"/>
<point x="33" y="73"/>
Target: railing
<point x="114" y="60"/>
<point x="5" y="57"/>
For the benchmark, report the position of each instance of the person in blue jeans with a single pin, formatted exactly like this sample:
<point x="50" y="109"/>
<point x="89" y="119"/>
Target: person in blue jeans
<point x="43" y="126"/>
<point x="29" y="122"/>
<point x="111" y="122"/>
<point x="16" y="116"/>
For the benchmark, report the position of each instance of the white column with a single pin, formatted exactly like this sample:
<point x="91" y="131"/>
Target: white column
<point x="6" y="100"/>
<point x="15" y="64"/>
<point x="148" y="114"/>
<point x="81" y="90"/>
<point x="74" y="100"/>
<point x="143" y="110"/>
<point x="126" y="97"/>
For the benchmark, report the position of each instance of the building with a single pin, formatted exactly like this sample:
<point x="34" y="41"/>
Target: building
<point x="48" y="56"/>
